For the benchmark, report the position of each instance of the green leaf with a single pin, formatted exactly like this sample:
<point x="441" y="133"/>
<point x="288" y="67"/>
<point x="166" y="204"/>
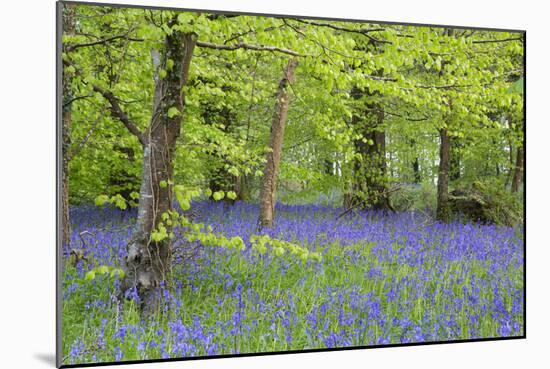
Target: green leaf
<point x="89" y="276"/>
<point x="117" y="272"/>
<point x="231" y="195"/>
<point x="101" y="200"/>
<point x="172" y="112"/>
<point x="218" y="195"/>
<point x="104" y="269"/>
<point x="119" y="202"/>
<point x="169" y="64"/>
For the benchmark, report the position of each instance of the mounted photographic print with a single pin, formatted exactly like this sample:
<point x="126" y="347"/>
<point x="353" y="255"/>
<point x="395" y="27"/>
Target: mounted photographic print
<point x="239" y="184"/>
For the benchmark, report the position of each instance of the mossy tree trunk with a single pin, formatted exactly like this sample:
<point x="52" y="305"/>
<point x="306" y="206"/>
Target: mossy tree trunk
<point x="369" y="186"/>
<point x="147" y="265"/>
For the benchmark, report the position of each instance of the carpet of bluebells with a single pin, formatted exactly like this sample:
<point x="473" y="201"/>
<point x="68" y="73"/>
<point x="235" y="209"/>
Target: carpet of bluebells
<point x="384" y="279"/>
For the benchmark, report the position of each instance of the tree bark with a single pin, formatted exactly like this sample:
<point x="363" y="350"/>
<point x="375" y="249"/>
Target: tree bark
<point x="66" y="120"/>
<point x="416" y="170"/>
<point x="518" y="170"/>
<point x="147" y="264"/>
<point x="443" y="212"/>
<point x="328" y="166"/>
<point x="269" y="182"/>
<point x="454" y="170"/>
<point x="369" y="178"/>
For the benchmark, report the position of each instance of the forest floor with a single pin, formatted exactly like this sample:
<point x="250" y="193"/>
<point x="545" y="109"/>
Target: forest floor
<point x="384" y="279"/>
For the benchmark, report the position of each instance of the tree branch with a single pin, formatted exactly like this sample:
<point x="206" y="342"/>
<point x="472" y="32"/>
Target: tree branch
<point x="118" y="113"/>
<point x="380" y="78"/>
<point x="501" y="40"/>
<point x="73" y="47"/>
<point x="361" y="31"/>
<point x="67" y="103"/>
<point x="242" y="45"/>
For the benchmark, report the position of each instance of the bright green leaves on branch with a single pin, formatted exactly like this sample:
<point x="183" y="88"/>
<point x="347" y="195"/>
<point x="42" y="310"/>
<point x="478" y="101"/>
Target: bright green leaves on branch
<point x="184" y="196"/>
<point x="218" y="195"/>
<point x="173" y="112"/>
<point x="117" y="200"/>
<point x="261" y="243"/>
<point x="160" y="233"/>
<point x="109" y="270"/>
<point x="169" y="64"/>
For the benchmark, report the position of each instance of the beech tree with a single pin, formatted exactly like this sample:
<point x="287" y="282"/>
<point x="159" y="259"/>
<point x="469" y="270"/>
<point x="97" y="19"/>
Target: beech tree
<point x="269" y="182"/>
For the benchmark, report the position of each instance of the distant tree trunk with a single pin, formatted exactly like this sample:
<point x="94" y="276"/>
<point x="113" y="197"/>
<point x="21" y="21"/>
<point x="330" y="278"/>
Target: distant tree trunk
<point x="242" y="190"/>
<point x="376" y="178"/>
<point x="328" y="167"/>
<point x="454" y="171"/>
<point x="417" y="177"/>
<point x="416" y="170"/>
<point x="369" y="179"/>
<point x="148" y="263"/>
<point x="518" y="170"/>
<point x="269" y="182"/>
<point x="443" y="176"/>
<point x="66" y="119"/>
<point x="220" y="178"/>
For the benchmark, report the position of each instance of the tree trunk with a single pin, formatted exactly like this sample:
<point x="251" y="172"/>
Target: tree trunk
<point x="328" y="166"/>
<point x="416" y="170"/>
<point x="65" y="147"/>
<point x="241" y="187"/>
<point x="443" y="176"/>
<point x="376" y="178"/>
<point x="148" y="262"/>
<point x="369" y="180"/>
<point x="269" y="182"/>
<point x="518" y="170"/>
<point x="66" y="119"/>
<point x="454" y="170"/>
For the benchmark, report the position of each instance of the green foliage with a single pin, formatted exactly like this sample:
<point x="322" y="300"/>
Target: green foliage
<point x="229" y="100"/>
<point x="107" y="270"/>
<point x="116" y="200"/>
<point x="173" y="112"/>
<point x="421" y="197"/>
<point x="279" y="247"/>
<point x="218" y="195"/>
<point x="498" y="205"/>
